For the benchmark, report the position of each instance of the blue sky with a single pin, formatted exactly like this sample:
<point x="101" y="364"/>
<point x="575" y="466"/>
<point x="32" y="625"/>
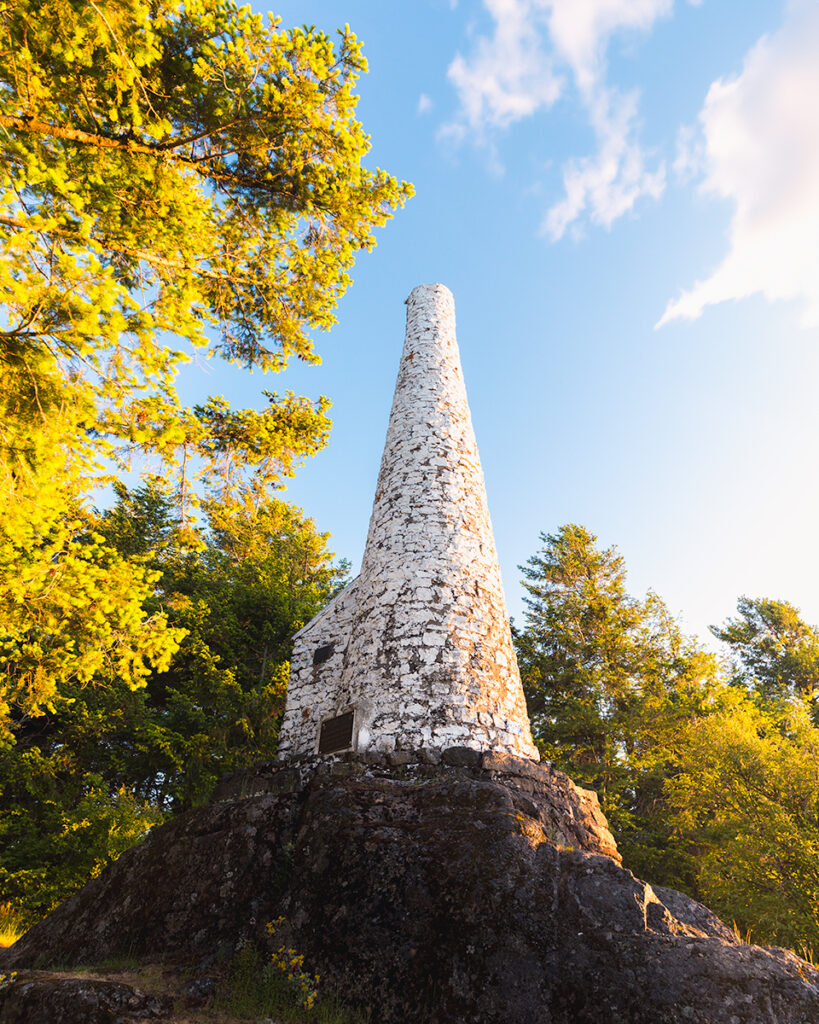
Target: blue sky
<point x="585" y="169"/>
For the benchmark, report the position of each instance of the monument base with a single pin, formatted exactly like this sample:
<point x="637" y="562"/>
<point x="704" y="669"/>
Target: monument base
<point x="484" y="890"/>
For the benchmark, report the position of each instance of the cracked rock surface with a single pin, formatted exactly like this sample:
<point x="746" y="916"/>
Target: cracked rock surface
<point x="486" y="890"/>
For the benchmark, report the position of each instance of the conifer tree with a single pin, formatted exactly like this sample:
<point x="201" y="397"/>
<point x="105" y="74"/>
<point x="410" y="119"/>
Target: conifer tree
<point x="610" y="681"/>
<point x="775" y="654"/>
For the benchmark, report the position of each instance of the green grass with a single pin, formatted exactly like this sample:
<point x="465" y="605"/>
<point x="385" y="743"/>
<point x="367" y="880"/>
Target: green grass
<point x="254" y="989"/>
<point x="11" y="925"/>
<point x="120" y="963"/>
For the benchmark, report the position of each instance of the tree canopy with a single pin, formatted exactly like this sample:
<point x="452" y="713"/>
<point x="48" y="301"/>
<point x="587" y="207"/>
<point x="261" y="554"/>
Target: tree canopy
<point x="89" y="775"/>
<point x="604" y="673"/>
<point x="744" y="800"/>
<point x="177" y="180"/>
<point x="706" y="767"/>
<point x="775" y="654"/>
<point x="173" y="176"/>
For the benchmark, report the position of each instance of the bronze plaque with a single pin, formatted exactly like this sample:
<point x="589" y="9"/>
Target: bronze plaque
<point x="336" y="733"/>
<point x="323" y="653"/>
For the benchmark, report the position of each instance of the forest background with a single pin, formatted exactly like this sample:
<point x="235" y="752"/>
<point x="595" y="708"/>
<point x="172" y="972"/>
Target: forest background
<point x="191" y="178"/>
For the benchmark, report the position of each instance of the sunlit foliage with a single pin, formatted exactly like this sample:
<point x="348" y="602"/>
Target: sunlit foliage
<point x="745" y="798"/>
<point x="90" y="775"/>
<point x="172" y="176"/>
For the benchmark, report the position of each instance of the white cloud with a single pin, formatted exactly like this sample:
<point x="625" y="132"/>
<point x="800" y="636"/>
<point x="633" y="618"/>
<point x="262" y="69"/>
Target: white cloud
<point x="424" y="103"/>
<point x="761" y="146"/>
<point x="521" y="69"/>
<point x="581" y="29"/>
<point x="509" y="76"/>
<point x="608" y="184"/>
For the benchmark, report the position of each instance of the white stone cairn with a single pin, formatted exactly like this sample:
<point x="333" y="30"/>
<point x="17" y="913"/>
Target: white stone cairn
<point x="418" y="647"/>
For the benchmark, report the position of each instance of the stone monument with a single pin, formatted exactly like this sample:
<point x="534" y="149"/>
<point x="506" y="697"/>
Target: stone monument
<point x="485" y="888"/>
<point x="416" y="653"/>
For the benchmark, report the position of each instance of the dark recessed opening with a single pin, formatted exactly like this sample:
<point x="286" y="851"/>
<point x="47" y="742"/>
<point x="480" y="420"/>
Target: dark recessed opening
<point x="323" y="653"/>
<point x="336" y="733"/>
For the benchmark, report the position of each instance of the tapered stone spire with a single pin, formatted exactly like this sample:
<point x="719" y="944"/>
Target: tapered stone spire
<point x="417" y="652"/>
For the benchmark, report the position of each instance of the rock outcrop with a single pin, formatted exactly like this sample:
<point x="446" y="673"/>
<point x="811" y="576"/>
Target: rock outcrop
<point x="478" y="891"/>
<point x="43" y="999"/>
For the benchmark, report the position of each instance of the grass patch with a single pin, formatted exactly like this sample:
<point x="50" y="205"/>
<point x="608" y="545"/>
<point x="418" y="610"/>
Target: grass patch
<point x="11" y="925"/>
<point x="117" y="963"/>
<point x="120" y="963"/>
<point x="254" y="988"/>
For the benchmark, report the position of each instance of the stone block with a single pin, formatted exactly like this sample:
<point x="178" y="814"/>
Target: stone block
<point x="398" y="758"/>
<point x="510" y="764"/>
<point x="461" y="757"/>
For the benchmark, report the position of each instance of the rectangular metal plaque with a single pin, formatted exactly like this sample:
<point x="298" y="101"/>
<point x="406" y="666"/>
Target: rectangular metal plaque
<point x="336" y="733"/>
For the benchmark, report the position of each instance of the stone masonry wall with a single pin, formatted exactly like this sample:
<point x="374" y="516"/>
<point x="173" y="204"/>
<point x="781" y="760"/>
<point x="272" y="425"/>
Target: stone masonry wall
<point x="429" y="662"/>
<point x="314" y="692"/>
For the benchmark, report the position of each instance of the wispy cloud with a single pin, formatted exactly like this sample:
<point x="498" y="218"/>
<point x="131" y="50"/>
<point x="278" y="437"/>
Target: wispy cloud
<point x="608" y="184"/>
<point x="689" y="162"/>
<point x="761" y="149"/>
<point x="581" y="31"/>
<point x="508" y="76"/>
<point x="538" y="47"/>
<point x="424" y="103"/>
